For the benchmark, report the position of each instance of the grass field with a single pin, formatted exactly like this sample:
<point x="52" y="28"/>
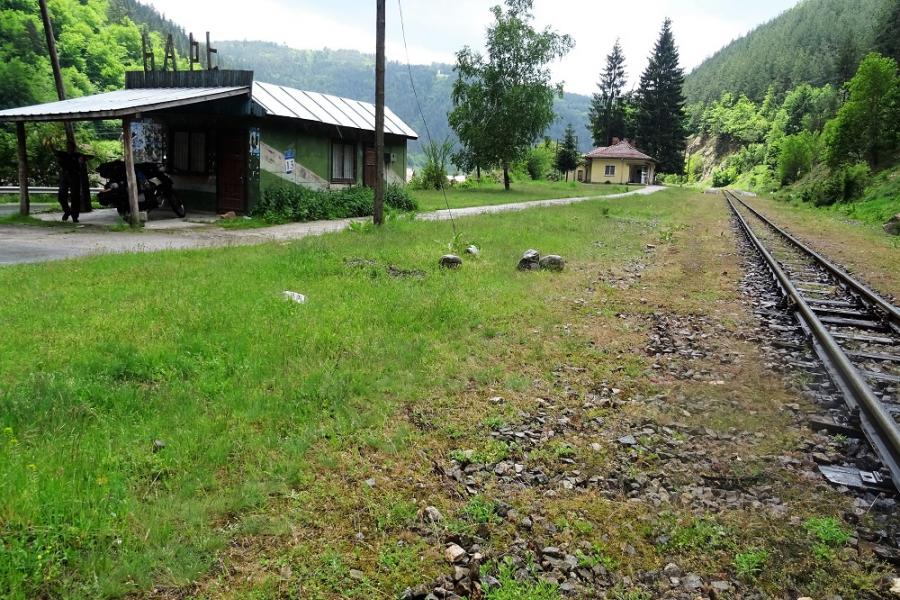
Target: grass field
<point x="493" y="193"/>
<point x="286" y="431"/>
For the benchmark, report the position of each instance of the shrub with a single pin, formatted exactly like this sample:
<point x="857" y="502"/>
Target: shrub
<point x="723" y="177"/>
<point x="433" y="176"/>
<point x="397" y="196"/>
<point x="284" y="203"/>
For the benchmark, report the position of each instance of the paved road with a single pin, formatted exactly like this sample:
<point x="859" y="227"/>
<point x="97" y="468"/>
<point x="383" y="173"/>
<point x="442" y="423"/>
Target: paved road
<point x="26" y="244"/>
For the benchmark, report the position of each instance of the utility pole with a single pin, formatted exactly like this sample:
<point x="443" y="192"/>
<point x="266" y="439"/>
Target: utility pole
<point x="378" y="212"/>
<point x="61" y="94"/>
<point x="57" y="74"/>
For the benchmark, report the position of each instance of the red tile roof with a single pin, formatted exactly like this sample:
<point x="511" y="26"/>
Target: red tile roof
<point x="621" y="149"/>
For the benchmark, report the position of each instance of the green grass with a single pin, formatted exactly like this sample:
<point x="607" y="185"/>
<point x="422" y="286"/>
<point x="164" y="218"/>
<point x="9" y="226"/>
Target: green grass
<point x="199" y="349"/>
<point x="488" y="193"/>
<point x="750" y="563"/>
<point x="511" y="588"/>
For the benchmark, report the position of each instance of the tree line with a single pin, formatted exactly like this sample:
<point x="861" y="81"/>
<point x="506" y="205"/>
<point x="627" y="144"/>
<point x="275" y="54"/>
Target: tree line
<point x="829" y="138"/>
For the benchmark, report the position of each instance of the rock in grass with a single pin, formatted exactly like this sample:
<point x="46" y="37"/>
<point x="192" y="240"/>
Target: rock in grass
<point x="892" y="227"/>
<point x="432" y="515"/>
<point x="450" y="261"/>
<point x="294" y="296"/>
<point x="473" y="250"/>
<point x="552" y="262"/>
<point x="454" y="554"/>
<point x="530" y="260"/>
<point x="158" y="445"/>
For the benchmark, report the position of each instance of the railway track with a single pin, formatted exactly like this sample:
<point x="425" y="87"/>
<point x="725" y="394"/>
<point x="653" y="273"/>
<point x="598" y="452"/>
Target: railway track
<point x="854" y="332"/>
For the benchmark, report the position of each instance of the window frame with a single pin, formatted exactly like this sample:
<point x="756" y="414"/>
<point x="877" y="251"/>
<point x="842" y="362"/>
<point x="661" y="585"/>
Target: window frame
<point x="345" y="145"/>
<point x="609" y="170"/>
<point x="191" y="151"/>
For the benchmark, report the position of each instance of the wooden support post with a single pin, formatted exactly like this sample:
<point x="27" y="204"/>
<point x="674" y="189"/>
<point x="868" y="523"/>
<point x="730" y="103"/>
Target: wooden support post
<point x="24" y="202"/>
<point x="378" y="212"/>
<point x="209" y="52"/>
<point x="130" y="176"/>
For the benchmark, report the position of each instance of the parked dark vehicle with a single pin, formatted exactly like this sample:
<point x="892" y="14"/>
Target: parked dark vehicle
<point x="155" y="188"/>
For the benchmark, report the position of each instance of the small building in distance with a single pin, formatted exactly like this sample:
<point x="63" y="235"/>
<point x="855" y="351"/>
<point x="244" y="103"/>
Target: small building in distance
<point x="619" y="163"/>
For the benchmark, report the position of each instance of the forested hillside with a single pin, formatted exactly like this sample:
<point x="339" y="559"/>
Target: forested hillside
<point x="97" y="42"/>
<point x="815" y="42"/>
<point x="349" y="73"/>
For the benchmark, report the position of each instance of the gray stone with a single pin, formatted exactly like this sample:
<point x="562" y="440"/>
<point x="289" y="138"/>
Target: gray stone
<point x="158" y="445"/>
<point x="450" y="261"/>
<point x="530" y="260"/>
<point x="460" y="573"/>
<point x="370" y="482"/>
<point x="473" y="250"/>
<point x="628" y="440"/>
<point x="454" y="553"/>
<point x="357" y="574"/>
<point x="552" y="551"/>
<point x="432" y="515"/>
<point x="692" y="582"/>
<point x="892" y="227"/>
<point x="552" y="262"/>
<point x="721" y="586"/>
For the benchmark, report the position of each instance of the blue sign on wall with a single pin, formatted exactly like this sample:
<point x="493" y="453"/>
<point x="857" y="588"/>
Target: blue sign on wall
<point x="289" y="161"/>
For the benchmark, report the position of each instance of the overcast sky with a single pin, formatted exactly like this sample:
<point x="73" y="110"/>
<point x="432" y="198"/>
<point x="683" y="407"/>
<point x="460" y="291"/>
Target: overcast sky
<point x="436" y="29"/>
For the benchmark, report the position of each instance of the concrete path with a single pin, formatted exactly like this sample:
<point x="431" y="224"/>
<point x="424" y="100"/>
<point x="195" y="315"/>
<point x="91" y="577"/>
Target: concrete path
<point x="26" y="243"/>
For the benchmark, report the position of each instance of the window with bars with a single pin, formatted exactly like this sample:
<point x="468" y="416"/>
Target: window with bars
<point x="343" y="162"/>
<point x="189" y="152"/>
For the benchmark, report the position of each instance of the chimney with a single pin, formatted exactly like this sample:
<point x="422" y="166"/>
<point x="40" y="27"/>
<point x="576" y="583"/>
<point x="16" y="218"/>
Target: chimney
<point x="615" y="141"/>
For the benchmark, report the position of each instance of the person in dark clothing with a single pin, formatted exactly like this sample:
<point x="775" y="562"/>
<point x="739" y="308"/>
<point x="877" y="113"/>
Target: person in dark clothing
<point x="72" y="183"/>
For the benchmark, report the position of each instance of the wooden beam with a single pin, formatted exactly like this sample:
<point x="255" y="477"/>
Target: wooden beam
<point x="130" y="176"/>
<point x="24" y="202"/>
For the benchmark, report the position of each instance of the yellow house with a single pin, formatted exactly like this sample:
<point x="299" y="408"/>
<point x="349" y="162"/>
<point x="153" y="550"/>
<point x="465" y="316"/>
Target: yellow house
<point x="619" y="163"/>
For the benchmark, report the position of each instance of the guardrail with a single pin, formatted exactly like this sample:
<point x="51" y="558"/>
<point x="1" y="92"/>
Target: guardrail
<point x="38" y="189"/>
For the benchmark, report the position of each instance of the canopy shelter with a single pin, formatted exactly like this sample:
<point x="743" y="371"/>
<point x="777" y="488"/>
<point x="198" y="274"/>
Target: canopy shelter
<point x="186" y="89"/>
<point x="228" y="138"/>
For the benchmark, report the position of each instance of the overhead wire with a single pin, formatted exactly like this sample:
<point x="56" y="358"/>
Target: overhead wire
<point x="412" y="84"/>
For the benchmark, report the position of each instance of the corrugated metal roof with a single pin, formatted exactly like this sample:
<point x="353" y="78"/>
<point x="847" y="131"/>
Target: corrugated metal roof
<point x="275" y="100"/>
<point x="119" y="103"/>
<point x="280" y="101"/>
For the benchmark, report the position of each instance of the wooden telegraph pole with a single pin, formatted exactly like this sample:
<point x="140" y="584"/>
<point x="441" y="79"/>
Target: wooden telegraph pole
<point x="378" y="213"/>
<point x="61" y="94"/>
<point x="57" y="74"/>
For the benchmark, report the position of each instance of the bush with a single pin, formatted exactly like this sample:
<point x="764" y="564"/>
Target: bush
<point x="433" y="176"/>
<point x="285" y="203"/>
<point x="397" y="196"/>
<point x="723" y="177"/>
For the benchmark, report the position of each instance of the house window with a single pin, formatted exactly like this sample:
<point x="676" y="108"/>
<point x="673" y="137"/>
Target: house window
<point x="343" y="162"/>
<point x="189" y="152"/>
<point x="610" y="170"/>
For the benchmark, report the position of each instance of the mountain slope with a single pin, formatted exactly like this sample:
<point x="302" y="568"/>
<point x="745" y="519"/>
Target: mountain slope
<point x="350" y="73"/>
<point x="815" y="42"/>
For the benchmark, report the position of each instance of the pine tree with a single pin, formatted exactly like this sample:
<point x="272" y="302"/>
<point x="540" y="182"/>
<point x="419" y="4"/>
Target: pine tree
<point x="887" y="40"/>
<point x="607" y="114"/>
<point x="660" y="105"/>
<point x="567" y="156"/>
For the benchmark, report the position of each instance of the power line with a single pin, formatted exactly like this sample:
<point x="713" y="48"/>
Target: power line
<point x="422" y="114"/>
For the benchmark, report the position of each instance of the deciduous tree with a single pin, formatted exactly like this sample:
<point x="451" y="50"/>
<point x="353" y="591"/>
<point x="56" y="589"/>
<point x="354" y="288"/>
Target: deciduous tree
<point x="503" y="101"/>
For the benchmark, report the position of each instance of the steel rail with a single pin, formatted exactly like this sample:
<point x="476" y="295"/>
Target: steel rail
<point x="877" y="423"/>
<point x="867" y="294"/>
